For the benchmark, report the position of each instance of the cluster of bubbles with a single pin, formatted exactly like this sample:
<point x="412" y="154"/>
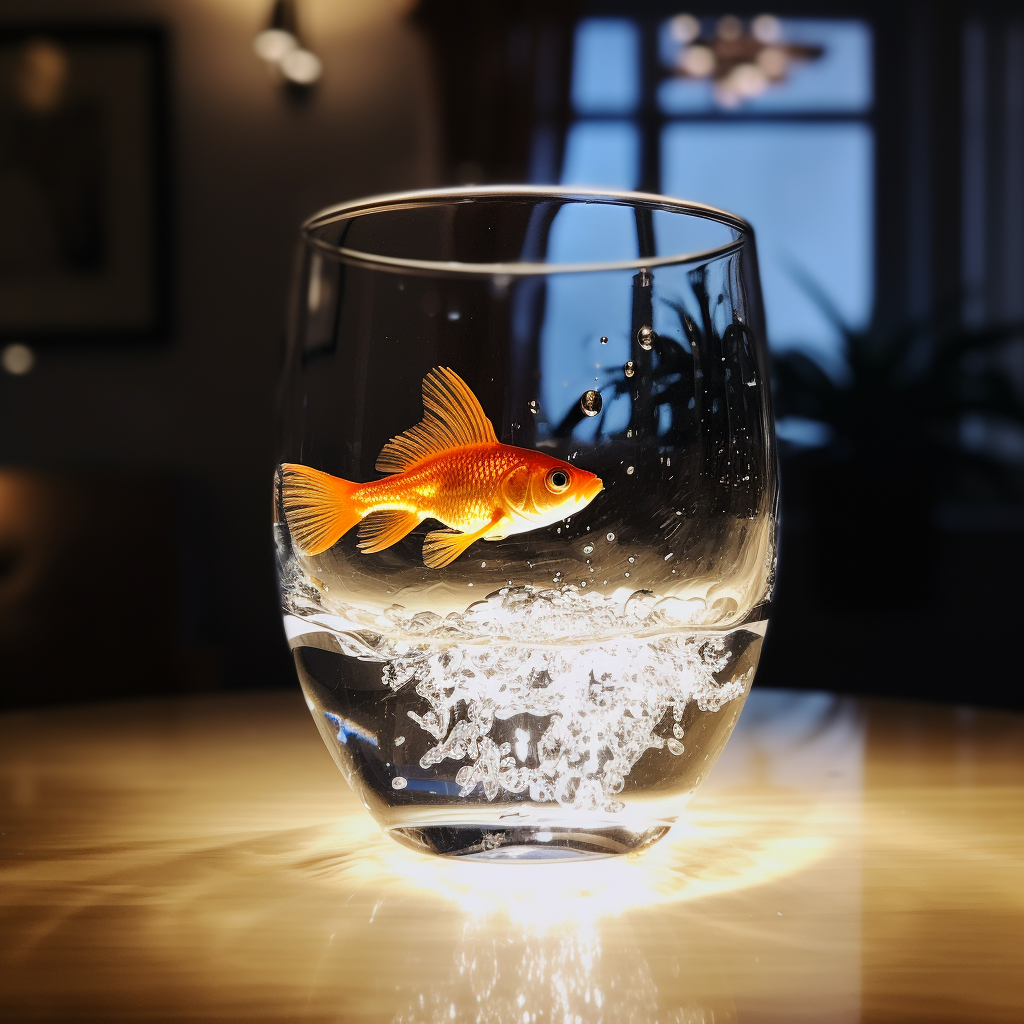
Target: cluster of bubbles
<point x="524" y="613"/>
<point x="599" y="705"/>
<point x="604" y="704"/>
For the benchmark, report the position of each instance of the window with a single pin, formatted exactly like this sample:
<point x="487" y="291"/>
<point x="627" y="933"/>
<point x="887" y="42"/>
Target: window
<point x="793" y="156"/>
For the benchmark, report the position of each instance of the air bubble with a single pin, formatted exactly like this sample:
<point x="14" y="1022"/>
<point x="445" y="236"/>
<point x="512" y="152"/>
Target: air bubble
<point x="645" y="338"/>
<point x="611" y="536"/>
<point x="591" y="402"/>
<point x="533" y="406"/>
<point x="588" y="548"/>
<point x="629" y="369"/>
<point x="399" y="783"/>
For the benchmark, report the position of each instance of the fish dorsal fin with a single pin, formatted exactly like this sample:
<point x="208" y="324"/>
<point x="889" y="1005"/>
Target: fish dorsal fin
<point x="454" y="418"/>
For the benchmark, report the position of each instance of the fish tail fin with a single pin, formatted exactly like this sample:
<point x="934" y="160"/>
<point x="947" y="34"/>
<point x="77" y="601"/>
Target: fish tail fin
<point x="319" y="508"/>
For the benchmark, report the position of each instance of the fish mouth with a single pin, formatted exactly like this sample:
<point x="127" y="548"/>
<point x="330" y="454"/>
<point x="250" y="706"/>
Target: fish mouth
<point x="592" y="489"/>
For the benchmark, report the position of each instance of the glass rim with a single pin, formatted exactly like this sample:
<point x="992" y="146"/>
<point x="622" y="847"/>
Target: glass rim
<point x="610" y="197"/>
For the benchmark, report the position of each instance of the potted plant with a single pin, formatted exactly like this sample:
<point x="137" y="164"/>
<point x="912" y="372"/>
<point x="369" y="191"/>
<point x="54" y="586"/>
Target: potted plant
<point x="917" y="415"/>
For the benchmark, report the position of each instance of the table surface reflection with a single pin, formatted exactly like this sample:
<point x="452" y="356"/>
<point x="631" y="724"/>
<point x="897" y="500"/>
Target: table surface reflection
<point x="202" y="859"/>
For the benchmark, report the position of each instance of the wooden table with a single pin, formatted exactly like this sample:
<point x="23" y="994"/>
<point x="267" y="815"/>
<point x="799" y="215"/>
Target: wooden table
<point x="202" y="860"/>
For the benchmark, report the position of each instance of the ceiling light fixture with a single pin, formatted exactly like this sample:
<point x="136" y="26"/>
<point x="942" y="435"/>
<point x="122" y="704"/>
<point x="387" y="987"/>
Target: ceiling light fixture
<point x="741" y="60"/>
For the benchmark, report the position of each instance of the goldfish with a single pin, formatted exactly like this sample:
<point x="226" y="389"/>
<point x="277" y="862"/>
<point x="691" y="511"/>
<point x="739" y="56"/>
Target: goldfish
<point x="450" y="467"/>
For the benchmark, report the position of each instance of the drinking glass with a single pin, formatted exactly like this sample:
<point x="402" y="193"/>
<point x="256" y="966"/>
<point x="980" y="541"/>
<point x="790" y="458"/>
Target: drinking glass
<point x="525" y="511"/>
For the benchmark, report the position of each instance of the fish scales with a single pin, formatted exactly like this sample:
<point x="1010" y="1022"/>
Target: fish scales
<point x="461" y="487"/>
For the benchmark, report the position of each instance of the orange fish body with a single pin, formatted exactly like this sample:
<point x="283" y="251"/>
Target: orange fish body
<point x="450" y="467"/>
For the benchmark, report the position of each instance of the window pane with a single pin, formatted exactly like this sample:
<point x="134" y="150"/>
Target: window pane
<point x="839" y="81"/>
<point x="580" y="308"/>
<point x="602" y="153"/>
<point x="807" y="190"/>
<point x="605" y="66"/>
<point x="593" y="233"/>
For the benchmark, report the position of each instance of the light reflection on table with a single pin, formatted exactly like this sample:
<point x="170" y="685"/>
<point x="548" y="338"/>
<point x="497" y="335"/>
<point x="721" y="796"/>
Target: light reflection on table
<point x="203" y="860"/>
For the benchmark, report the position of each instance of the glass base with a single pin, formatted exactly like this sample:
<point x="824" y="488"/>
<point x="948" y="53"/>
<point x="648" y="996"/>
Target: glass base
<point x="522" y="842"/>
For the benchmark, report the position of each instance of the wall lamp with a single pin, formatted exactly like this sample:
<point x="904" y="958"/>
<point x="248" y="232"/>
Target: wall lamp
<point x="278" y="44"/>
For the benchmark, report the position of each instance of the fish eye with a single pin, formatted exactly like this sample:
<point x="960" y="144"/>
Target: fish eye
<point x="557" y="480"/>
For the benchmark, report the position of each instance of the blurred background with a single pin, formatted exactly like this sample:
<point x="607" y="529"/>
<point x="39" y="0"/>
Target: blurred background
<point x="157" y="157"/>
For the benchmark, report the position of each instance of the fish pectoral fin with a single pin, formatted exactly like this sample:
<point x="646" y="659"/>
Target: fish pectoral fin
<point x="387" y="526"/>
<point x="440" y="547"/>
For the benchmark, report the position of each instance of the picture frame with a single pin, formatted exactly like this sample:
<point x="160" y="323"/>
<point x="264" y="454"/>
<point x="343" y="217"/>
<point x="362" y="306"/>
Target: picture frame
<point x="84" y="184"/>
